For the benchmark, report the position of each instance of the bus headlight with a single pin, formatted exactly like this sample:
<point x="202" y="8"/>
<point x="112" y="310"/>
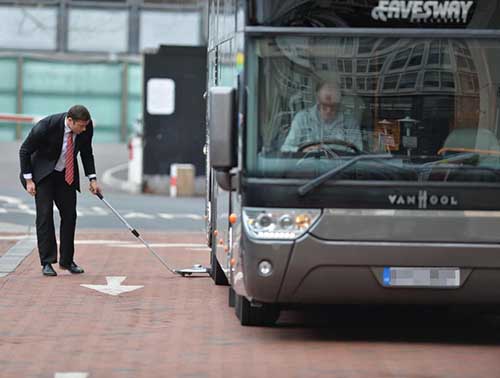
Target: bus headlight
<point x="281" y="224"/>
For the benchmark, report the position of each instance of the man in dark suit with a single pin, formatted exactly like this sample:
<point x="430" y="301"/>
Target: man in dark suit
<point x="49" y="172"/>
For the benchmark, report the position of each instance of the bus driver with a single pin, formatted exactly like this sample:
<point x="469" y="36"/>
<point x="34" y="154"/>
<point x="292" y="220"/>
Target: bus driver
<point x="322" y="122"/>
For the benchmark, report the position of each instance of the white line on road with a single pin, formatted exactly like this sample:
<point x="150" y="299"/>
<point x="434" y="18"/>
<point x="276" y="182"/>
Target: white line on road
<point x="122" y="243"/>
<point x="166" y="216"/>
<point x="10" y="200"/>
<point x="178" y="216"/>
<point x="139" y="215"/>
<point x="99" y="210"/>
<point x="71" y="375"/>
<point x="13" y="237"/>
<point x="101" y="242"/>
<point x="26" y="209"/>
<point x="159" y="245"/>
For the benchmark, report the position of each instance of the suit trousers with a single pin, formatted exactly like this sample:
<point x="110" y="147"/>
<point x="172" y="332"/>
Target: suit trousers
<point x="53" y="189"/>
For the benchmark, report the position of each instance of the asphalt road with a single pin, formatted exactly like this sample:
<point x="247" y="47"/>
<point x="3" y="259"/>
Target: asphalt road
<point x="143" y="211"/>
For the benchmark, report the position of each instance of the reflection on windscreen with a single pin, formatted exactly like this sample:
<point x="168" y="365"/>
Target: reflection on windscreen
<point x="315" y="102"/>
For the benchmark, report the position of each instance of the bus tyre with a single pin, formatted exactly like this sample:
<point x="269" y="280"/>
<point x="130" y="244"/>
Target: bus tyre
<point x="216" y="271"/>
<point x="263" y="315"/>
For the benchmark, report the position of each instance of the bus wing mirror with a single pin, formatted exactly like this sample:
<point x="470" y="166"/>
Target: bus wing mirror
<point x="226" y="180"/>
<point x="222" y="127"/>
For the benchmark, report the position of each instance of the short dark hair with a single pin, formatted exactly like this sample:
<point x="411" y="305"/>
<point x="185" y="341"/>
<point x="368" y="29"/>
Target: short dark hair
<point x="79" y="113"/>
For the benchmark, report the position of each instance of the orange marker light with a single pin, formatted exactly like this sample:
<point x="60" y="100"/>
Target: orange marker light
<point x="233" y="218"/>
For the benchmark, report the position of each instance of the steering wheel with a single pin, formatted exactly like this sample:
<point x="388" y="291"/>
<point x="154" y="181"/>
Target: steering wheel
<point x="325" y="146"/>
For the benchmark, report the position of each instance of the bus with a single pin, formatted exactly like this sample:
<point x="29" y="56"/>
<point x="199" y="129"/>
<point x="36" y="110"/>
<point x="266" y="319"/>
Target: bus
<point x="353" y="153"/>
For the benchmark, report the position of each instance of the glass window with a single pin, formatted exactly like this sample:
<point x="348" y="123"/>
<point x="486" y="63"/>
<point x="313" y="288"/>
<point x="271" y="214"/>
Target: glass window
<point x="295" y="131"/>
<point x="362" y="65"/>
<point x="371" y="83"/>
<point x="28" y="27"/>
<point x="434" y="53"/>
<point x="169" y="28"/>
<point x="400" y="60"/>
<point x="348" y="65"/>
<point x="340" y="65"/>
<point x="366" y="45"/>
<point x="447" y="80"/>
<point x="391" y="82"/>
<point x="416" y="56"/>
<point x="408" y="81"/>
<point x="376" y="65"/>
<point x="98" y="30"/>
<point x="431" y="79"/>
<point x="346" y="82"/>
<point x="361" y="83"/>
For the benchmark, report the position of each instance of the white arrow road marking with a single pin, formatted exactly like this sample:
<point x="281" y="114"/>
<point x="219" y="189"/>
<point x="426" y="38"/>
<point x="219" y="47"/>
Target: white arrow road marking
<point x="113" y="287"/>
<point x="71" y="375"/>
<point x="139" y="215"/>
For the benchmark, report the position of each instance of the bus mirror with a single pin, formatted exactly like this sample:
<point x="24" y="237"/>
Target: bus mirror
<point x="222" y="127"/>
<point x="225" y="180"/>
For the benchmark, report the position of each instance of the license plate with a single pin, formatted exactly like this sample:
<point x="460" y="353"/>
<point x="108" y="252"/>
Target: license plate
<point x="421" y="277"/>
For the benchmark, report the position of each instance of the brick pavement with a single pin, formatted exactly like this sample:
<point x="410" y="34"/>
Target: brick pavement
<point x="182" y="327"/>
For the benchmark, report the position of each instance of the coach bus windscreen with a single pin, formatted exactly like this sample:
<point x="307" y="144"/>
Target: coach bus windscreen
<point x="315" y="102"/>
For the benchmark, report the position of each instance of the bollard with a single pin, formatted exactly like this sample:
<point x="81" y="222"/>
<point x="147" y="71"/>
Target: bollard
<point x="182" y="180"/>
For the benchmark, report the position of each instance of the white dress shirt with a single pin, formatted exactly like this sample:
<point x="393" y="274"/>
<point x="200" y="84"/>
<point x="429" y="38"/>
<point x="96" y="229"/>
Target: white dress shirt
<point x="61" y="162"/>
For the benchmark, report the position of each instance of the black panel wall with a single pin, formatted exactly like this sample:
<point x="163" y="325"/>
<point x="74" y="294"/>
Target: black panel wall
<point x="180" y="136"/>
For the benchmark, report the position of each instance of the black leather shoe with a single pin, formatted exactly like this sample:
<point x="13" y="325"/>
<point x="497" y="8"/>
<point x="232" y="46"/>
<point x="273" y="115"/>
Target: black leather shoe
<point x="72" y="268"/>
<point x="47" y="270"/>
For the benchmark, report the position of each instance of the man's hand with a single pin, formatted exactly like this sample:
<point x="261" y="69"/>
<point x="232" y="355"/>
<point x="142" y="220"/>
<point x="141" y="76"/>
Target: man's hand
<point x="31" y="187"/>
<point x="94" y="188"/>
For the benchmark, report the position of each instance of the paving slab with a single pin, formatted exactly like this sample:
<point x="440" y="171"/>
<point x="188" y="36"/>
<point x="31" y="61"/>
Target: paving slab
<point x="182" y="327"/>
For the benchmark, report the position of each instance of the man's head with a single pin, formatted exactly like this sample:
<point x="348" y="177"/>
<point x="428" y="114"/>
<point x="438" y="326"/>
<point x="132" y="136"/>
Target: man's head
<point x="78" y="118"/>
<point x="328" y="97"/>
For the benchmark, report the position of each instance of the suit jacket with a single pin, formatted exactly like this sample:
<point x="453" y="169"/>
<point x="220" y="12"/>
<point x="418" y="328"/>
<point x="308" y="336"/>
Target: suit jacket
<point x="42" y="147"/>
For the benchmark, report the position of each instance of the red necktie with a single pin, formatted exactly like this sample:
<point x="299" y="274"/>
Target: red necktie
<point x="70" y="166"/>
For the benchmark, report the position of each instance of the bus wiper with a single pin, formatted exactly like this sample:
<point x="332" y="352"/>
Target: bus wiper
<point x="460" y="158"/>
<point x="314" y="183"/>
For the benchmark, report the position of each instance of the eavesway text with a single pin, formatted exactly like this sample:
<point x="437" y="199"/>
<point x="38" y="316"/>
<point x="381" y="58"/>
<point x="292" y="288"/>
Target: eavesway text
<point x="419" y="10"/>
